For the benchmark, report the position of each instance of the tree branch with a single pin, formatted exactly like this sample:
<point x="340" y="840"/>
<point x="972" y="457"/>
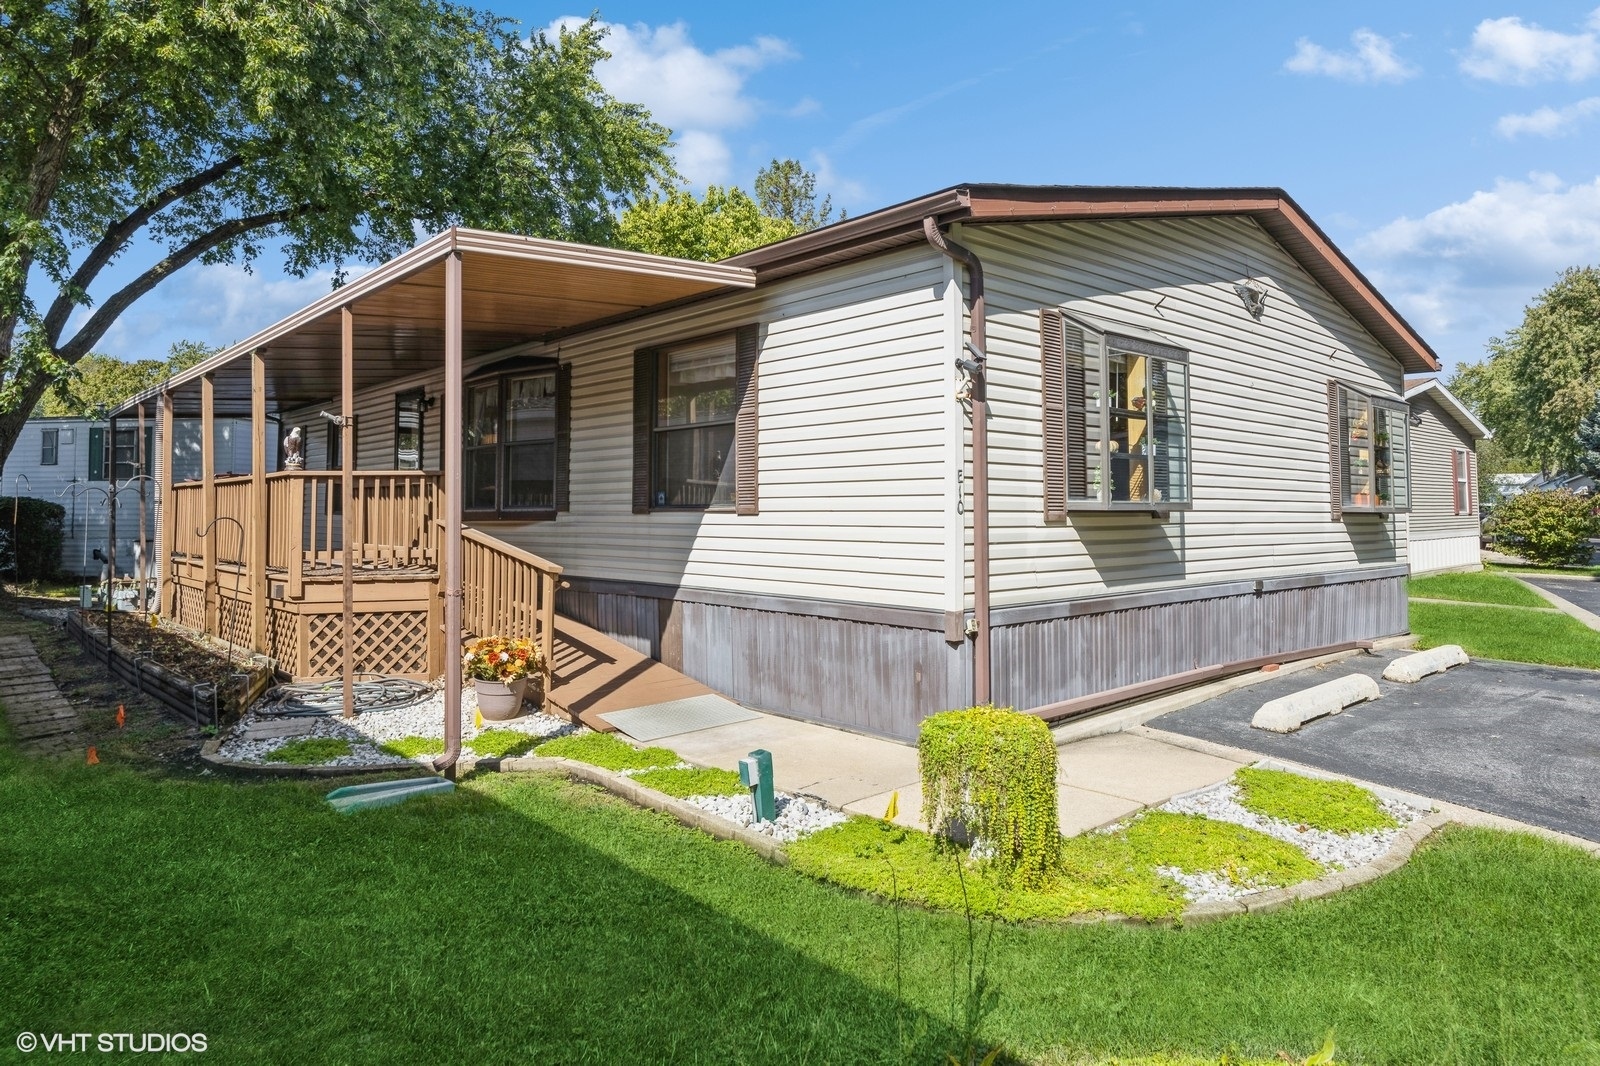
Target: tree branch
<point x="118" y="234"/>
<point x="101" y="320"/>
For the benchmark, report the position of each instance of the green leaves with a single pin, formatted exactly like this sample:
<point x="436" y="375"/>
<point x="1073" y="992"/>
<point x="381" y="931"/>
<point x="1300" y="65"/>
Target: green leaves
<point x="725" y="222"/>
<point x="1548" y="528"/>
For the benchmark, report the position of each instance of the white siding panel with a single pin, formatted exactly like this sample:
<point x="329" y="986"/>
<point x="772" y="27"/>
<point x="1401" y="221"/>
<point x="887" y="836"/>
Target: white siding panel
<point x="1445" y="553"/>
<point x="1258" y="410"/>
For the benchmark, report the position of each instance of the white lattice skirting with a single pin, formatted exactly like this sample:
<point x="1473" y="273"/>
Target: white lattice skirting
<point x="1445" y="553"/>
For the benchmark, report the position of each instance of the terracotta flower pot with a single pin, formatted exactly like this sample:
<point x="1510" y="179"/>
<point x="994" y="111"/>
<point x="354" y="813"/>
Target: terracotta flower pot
<point x="500" y="700"/>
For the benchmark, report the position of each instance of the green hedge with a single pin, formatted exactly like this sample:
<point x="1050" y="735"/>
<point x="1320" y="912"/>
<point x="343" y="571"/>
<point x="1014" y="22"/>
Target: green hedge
<point x="40" y="528"/>
<point x="989" y="773"/>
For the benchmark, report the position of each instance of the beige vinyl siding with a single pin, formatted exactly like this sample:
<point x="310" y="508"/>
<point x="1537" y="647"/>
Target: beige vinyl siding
<point x="1432" y="482"/>
<point x="1258" y="433"/>
<point x="854" y="387"/>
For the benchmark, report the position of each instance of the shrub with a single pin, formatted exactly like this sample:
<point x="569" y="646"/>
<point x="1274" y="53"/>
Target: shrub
<point x="992" y="773"/>
<point x="37" y="536"/>
<point x="1549" y="528"/>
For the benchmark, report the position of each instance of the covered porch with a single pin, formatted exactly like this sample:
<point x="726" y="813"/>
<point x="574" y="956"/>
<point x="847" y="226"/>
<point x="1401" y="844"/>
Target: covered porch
<point x="338" y="571"/>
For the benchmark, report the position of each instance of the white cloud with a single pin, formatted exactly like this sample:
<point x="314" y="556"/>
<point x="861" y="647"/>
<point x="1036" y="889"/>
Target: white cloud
<point x="1549" y="121"/>
<point x="1372" y="60"/>
<point x="832" y="183"/>
<point x="1513" y="52"/>
<point x="1463" y="273"/>
<point x="700" y="95"/>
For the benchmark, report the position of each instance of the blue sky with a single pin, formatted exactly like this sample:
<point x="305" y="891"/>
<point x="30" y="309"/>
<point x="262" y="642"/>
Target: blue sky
<point x="1447" y="148"/>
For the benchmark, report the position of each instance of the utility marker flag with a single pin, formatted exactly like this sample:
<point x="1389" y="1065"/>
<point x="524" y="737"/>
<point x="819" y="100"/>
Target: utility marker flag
<point x="122" y="716"/>
<point x="894" y="807"/>
<point x="94" y="757"/>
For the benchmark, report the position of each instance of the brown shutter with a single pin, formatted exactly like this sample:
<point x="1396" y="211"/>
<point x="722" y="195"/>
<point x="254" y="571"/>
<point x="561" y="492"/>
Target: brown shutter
<point x="1335" y="449"/>
<point x="1077" y="404"/>
<point x="746" y="385"/>
<point x="564" y="437"/>
<point x="1468" y="457"/>
<point x="1053" y="399"/>
<point x="644" y="399"/>
<point x="1455" y="480"/>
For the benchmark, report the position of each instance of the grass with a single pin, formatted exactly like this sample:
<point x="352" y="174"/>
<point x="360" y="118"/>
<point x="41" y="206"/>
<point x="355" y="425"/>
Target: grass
<point x="606" y="751"/>
<point x="1476" y="588"/>
<point x="696" y="782"/>
<point x="412" y="747"/>
<point x="143" y="901"/>
<point x="1499" y="633"/>
<point x="1527" y="568"/>
<point x="501" y="743"/>
<point x="310" y="751"/>
<point x="1100" y="872"/>
<point x="1336" y="806"/>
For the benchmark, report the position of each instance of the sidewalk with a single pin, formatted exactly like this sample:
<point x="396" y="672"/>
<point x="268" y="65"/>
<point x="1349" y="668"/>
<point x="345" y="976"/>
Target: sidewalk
<point x="1101" y="779"/>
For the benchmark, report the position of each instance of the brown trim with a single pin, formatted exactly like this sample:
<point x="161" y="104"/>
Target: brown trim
<point x="1053" y="412"/>
<point x="644" y="398"/>
<point x="1273" y="209"/>
<point x="746" y="389"/>
<point x="563" y="486"/>
<point x="1073" y="708"/>
<point x="1335" y="449"/>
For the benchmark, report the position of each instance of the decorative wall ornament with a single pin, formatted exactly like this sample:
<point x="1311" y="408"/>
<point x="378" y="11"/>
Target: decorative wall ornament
<point x="1253" y="295"/>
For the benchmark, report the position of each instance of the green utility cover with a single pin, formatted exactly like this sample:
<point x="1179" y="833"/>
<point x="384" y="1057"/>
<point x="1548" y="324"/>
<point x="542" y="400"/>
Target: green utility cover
<point x="386" y="793"/>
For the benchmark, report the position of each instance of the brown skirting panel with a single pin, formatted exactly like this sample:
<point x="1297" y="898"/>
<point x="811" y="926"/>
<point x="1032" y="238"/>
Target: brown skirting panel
<point x="882" y="670"/>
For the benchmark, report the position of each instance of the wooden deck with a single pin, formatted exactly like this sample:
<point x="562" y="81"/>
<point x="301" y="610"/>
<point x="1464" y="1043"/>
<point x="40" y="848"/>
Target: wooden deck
<point x="595" y="674"/>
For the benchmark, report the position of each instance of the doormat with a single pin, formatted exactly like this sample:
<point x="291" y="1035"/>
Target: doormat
<point x="657" y="720"/>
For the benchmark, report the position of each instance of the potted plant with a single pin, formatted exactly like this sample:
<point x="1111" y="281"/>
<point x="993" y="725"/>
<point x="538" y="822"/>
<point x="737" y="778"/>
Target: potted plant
<point x="499" y="668"/>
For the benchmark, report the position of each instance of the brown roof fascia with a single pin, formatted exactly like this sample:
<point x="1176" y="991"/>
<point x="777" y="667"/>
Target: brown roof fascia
<point x="1272" y="208"/>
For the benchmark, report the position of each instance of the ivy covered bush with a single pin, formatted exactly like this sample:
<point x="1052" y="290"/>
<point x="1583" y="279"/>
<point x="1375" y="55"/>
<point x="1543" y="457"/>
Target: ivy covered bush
<point x="38" y="536"/>
<point x="1548" y="528"/>
<point x="989" y="773"/>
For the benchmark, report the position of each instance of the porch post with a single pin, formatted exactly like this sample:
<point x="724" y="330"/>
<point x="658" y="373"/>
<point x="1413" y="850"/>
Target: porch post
<point x="111" y="519"/>
<point x="451" y="447"/>
<point x="258" y="501"/>
<point x="347" y="441"/>
<point x="208" y="500"/>
<point x="169" y="515"/>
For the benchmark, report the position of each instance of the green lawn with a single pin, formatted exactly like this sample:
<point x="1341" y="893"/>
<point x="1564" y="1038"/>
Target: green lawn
<point x="1502" y="633"/>
<point x="1501" y="568"/>
<point x="528" y="919"/>
<point x="1475" y="588"/>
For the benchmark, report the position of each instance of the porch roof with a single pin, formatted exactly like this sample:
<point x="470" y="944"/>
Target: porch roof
<point x="514" y="289"/>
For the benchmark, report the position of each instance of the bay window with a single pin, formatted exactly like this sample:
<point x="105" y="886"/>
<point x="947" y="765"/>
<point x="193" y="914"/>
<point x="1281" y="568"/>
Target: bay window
<point x="1369" y="452"/>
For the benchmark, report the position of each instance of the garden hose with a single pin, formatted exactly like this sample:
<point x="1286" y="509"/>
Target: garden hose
<point x="320" y="698"/>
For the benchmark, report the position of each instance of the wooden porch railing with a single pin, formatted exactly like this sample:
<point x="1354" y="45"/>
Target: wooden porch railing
<point x="508" y="592"/>
<point x="396" y="514"/>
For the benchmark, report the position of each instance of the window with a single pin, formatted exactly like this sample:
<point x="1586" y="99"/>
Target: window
<point x="1461" y="476"/>
<point x="50" y="447"/>
<point x="122" y="458"/>
<point x="695" y="408"/>
<point x="1369" y="451"/>
<point x="1116" y="419"/>
<point x="408" y="436"/>
<point x="515" y="441"/>
<point x="335" y="449"/>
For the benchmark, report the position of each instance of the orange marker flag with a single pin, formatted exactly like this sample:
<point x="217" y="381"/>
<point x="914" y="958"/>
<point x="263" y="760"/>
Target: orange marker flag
<point x="122" y="716"/>
<point x="94" y="758"/>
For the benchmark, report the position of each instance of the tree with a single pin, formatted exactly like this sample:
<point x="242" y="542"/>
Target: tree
<point x="1541" y="379"/>
<point x="789" y="191"/>
<point x="1587" y="458"/>
<point x="97" y="382"/>
<point x="726" y="221"/>
<point x="340" y="129"/>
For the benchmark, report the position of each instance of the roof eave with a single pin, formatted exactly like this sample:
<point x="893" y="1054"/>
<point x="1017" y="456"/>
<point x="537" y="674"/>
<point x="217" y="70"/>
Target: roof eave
<point x="1457" y="410"/>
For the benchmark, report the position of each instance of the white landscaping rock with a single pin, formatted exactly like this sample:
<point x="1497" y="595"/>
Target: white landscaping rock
<point x="1412" y="668"/>
<point x="1288" y="713"/>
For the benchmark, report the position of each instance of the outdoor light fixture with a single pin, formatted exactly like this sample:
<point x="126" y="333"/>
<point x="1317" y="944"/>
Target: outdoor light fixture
<point x="1415" y="418"/>
<point x="1253" y="295"/>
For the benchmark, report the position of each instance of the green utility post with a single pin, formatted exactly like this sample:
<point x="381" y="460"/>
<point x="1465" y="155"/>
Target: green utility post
<point x="755" y="773"/>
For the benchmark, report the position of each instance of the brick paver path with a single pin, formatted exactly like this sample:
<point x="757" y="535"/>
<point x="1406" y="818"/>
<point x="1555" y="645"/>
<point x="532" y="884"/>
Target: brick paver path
<point x="43" y="721"/>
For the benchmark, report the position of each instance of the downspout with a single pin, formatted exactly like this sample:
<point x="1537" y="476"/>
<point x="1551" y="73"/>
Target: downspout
<point x="977" y="370"/>
<point x="451" y="549"/>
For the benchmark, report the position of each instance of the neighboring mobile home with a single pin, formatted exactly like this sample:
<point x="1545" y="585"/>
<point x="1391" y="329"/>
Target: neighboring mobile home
<point x="1190" y="453"/>
<point x="69" y="460"/>
<point x="1445" y="525"/>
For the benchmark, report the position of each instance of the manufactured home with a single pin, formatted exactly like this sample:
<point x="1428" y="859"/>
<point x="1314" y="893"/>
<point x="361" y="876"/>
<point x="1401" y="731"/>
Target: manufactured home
<point x="1050" y="447"/>
<point x="1446" y="530"/>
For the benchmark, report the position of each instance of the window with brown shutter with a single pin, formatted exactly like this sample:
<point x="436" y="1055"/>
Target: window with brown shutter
<point x="695" y="424"/>
<point x="1114" y="418"/>
<point x="1369" y="453"/>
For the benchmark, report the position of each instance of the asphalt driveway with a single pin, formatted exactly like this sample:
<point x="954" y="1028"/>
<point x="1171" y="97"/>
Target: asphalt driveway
<point x="1515" y="740"/>
<point x="1581" y="593"/>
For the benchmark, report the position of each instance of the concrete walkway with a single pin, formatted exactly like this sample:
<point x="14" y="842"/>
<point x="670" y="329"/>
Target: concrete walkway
<point x="43" y="721"/>
<point x="1101" y="779"/>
